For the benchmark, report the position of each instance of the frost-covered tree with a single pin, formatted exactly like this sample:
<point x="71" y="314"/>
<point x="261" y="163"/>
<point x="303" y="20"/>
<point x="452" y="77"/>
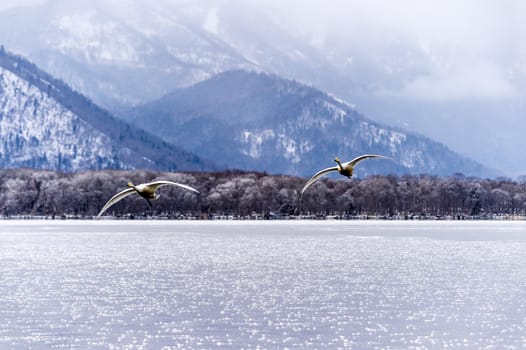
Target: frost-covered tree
<point x="40" y="192"/>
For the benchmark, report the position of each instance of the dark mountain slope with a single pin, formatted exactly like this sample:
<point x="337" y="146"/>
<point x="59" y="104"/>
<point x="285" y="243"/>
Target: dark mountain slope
<point x="258" y="121"/>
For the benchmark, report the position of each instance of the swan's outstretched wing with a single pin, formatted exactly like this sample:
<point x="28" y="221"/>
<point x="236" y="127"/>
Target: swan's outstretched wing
<point x="122" y="194"/>
<point x="317" y="176"/>
<point x="156" y="184"/>
<point x="363" y="157"/>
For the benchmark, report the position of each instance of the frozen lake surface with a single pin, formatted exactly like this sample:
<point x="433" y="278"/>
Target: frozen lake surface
<point x="307" y="284"/>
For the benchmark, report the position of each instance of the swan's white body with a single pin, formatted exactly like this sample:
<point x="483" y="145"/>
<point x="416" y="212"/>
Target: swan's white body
<point x="345" y="169"/>
<point x="146" y="190"/>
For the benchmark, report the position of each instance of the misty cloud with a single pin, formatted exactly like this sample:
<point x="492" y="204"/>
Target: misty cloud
<point x="461" y="49"/>
<point x="5" y="4"/>
<point x="479" y="80"/>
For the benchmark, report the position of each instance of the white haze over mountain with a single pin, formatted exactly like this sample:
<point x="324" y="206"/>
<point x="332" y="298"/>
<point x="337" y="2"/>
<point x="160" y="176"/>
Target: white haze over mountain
<point x="5" y="4"/>
<point x="454" y="71"/>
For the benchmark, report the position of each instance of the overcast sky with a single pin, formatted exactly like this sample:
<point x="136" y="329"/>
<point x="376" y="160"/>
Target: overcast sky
<point x="476" y="48"/>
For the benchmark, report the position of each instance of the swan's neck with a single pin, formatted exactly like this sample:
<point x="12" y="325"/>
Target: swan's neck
<point x="339" y="164"/>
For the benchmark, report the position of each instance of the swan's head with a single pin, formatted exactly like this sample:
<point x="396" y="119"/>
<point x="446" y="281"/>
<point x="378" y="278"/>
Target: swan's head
<point x="130" y="184"/>
<point x="337" y="160"/>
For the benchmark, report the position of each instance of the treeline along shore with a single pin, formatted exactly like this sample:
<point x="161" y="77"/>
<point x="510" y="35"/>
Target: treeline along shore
<point x="236" y="194"/>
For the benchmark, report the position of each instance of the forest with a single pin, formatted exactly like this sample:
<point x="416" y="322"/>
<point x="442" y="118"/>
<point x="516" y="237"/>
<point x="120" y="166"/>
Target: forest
<point x="237" y="194"/>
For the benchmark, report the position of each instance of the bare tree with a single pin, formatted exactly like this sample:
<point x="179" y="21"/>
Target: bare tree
<point x="40" y="192"/>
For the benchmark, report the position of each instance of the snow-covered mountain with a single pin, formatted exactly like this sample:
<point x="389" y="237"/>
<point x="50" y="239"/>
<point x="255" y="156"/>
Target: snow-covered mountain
<point x="251" y="120"/>
<point x="122" y="52"/>
<point x="45" y="124"/>
<point x="127" y="52"/>
<point x="115" y="52"/>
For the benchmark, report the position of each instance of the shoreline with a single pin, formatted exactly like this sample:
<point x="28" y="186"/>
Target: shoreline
<point x="494" y="217"/>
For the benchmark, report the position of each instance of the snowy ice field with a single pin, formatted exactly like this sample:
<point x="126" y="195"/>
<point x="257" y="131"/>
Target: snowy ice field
<point x="300" y="284"/>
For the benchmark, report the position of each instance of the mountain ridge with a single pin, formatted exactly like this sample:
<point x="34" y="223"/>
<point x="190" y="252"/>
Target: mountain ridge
<point x="259" y="121"/>
<point x="118" y="57"/>
<point x="39" y="112"/>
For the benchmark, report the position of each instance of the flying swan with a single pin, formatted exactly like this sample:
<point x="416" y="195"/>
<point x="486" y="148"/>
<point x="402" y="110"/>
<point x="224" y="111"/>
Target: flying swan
<point x="346" y="169"/>
<point x="146" y="190"/>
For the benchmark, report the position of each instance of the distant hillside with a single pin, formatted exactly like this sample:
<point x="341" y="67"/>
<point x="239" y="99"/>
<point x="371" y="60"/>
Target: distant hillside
<point x="258" y="121"/>
<point x="117" y="54"/>
<point x="45" y="124"/>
